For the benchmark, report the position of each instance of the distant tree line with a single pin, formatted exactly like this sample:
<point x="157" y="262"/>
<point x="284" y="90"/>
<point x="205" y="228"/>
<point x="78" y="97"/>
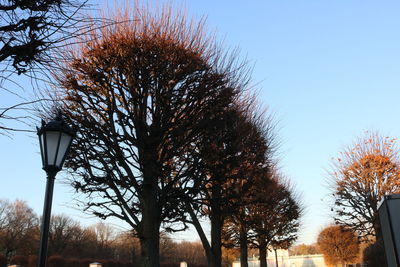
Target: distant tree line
<point x="70" y="244"/>
<point x="304" y="249"/>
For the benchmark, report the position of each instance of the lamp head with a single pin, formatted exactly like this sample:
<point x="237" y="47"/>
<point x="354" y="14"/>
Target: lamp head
<point x="55" y="139"/>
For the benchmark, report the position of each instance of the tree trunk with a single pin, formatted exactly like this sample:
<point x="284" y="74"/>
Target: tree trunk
<point x="149" y="236"/>
<point x="243" y="247"/>
<point x="213" y="250"/>
<point x="149" y="251"/>
<point x="149" y="228"/>
<point x="377" y="227"/>
<point x="263" y="253"/>
<point x="216" y="220"/>
<point x="216" y="244"/>
<point x="202" y="235"/>
<point x="276" y="257"/>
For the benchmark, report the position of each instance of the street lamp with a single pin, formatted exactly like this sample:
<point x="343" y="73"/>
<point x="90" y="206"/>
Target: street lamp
<point x="55" y="138"/>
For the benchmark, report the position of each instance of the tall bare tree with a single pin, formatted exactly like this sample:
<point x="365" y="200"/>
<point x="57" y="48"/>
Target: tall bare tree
<point x="142" y="92"/>
<point x="360" y="177"/>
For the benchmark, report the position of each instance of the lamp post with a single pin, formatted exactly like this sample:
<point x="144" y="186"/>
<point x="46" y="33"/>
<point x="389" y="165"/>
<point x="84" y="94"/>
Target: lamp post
<point x="55" y="138"/>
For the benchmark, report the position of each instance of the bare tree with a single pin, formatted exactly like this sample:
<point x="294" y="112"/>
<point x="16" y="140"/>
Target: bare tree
<point x="127" y="247"/>
<point x="31" y="33"/>
<point x="190" y="252"/>
<point x="19" y="228"/>
<point x="360" y="177"/>
<point x="31" y="29"/>
<point x="339" y="245"/>
<point x="105" y="236"/>
<point x="83" y="243"/>
<point x="141" y="93"/>
<point x="61" y="234"/>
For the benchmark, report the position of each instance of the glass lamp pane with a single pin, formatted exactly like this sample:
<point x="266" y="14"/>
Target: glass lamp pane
<point x="51" y="142"/>
<point x="64" y="144"/>
<point x="41" y="140"/>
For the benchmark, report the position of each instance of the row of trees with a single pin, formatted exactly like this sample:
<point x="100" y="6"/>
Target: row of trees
<point x="361" y="176"/>
<point x="304" y="249"/>
<point x="19" y="240"/>
<point x="169" y="133"/>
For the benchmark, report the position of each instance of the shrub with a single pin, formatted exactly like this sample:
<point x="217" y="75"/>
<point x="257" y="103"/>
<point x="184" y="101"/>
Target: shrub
<point x="374" y="255"/>
<point x="56" y="261"/>
<point x="19" y="260"/>
<point x="3" y="260"/>
<point x="32" y="261"/>
<point x="72" y="262"/>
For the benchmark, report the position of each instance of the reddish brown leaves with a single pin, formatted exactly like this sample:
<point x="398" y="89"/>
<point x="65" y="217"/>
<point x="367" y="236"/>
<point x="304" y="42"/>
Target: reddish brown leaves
<point x="338" y="244"/>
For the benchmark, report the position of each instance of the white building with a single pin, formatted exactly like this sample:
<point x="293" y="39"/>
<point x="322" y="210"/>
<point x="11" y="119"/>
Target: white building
<point x="284" y="260"/>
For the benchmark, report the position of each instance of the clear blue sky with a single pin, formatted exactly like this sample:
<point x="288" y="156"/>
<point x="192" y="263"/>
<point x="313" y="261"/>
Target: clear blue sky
<point x="328" y="69"/>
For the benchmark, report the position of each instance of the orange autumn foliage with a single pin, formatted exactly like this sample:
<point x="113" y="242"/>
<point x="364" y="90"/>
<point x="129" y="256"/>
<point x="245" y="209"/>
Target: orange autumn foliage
<point x="360" y="178"/>
<point x="338" y="244"/>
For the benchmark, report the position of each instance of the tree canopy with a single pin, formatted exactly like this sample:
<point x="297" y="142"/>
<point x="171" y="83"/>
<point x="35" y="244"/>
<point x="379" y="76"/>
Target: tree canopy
<point x="339" y="245"/>
<point x="360" y="177"/>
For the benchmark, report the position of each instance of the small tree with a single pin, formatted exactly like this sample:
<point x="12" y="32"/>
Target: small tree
<point x="127" y="247"/>
<point x="360" y="177"/>
<point x="338" y="244"/>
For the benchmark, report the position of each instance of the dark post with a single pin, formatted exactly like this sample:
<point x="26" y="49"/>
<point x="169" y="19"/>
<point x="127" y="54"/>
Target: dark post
<point x="390" y="224"/>
<point x="44" y="233"/>
<point x="55" y="138"/>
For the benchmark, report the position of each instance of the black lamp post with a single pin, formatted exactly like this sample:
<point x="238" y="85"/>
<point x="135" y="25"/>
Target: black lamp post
<point x="55" y="138"/>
